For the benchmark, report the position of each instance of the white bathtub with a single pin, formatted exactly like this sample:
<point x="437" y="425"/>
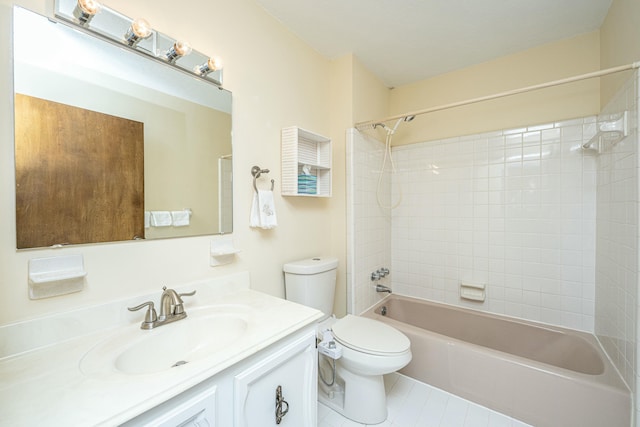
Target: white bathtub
<point x="543" y="375"/>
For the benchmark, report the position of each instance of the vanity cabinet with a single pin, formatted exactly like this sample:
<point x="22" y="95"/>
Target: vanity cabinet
<point x="245" y="393"/>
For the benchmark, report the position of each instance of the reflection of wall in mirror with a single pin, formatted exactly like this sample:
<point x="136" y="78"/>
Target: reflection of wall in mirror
<point x="225" y="191"/>
<point x="183" y="141"/>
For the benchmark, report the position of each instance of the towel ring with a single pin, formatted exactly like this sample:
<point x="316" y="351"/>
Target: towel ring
<point x="256" y="171"/>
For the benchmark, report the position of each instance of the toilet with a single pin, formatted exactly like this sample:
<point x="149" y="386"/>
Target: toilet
<point x="368" y="349"/>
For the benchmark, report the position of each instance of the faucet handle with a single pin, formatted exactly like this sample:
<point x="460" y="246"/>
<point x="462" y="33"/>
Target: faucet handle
<point x="150" y="316"/>
<point x="179" y="309"/>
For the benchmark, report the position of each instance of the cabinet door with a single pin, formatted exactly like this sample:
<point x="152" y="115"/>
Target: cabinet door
<point x="294" y="370"/>
<point x="189" y="409"/>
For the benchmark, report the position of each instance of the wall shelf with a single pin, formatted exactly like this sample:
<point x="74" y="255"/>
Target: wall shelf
<point x="306" y="163"/>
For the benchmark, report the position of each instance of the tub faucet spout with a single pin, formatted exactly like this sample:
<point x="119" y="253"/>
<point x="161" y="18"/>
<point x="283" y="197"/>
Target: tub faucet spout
<point x="383" y="288"/>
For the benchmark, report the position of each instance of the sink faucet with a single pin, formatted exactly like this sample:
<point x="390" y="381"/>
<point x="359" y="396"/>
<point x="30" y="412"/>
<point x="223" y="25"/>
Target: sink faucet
<point x="171" y="309"/>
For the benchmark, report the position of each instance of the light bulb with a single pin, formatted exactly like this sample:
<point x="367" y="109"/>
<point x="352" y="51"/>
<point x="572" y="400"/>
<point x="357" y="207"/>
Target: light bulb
<point x="85" y="10"/>
<point x="179" y="49"/>
<point x="211" y="65"/>
<point x="139" y="29"/>
<point x="90" y="6"/>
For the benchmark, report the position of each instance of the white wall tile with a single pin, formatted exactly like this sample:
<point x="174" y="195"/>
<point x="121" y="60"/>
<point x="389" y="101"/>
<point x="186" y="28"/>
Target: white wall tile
<point x="508" y="208"/>
<point x="614" y="285"/>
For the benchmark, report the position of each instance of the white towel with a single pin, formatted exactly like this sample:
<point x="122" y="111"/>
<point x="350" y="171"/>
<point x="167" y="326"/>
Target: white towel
<point x="147" y="219"/>
<point x="263" y="210"/>
<point x="160" y="218"/>
<point x="180" y="218"/>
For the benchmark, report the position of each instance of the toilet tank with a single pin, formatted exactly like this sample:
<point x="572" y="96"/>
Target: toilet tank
<point x="311" y="282"/>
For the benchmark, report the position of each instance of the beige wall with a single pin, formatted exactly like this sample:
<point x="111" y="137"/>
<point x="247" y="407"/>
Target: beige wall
<point x="276" y="81"/>
<point x="534" y="66"/>
<point x="357" y="94"/>
<point x="619" y="43"/>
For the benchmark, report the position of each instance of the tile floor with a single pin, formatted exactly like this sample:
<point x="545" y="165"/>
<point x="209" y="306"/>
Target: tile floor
<point x="415" y="404"/>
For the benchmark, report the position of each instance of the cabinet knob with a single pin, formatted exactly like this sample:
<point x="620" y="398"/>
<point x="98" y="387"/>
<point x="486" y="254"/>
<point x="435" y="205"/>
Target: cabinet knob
<point x="280" y="403"/>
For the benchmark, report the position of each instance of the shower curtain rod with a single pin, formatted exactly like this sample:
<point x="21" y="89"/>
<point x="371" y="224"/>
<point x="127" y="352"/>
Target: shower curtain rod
<point x="631" y="66"/>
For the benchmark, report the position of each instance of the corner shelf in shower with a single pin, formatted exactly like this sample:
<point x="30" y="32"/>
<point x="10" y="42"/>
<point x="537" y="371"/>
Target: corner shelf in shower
<point x="302" y="148"/>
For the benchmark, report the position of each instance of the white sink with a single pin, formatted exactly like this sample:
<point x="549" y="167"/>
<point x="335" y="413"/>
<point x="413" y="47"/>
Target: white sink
<point x="133" y="351"/>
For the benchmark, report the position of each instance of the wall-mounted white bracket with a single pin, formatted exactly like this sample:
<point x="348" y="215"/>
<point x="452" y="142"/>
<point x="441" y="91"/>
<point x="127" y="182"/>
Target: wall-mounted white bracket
<point x="611" y="129"/>
<point x="222" y="250"/>
<point x="53" y="276"/>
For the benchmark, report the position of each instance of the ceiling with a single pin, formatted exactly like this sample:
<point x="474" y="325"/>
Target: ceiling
<point x="404" y="41"/>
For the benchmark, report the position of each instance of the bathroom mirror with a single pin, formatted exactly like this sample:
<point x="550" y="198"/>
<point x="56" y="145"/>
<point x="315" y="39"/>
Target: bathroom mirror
<point x="111" y="145"/>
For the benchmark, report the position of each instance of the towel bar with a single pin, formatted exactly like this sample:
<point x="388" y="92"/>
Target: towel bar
<point x="256" y="171"/>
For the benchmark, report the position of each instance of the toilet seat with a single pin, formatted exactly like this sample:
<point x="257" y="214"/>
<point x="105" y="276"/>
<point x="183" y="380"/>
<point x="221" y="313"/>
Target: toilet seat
<point x="370" y="336"/>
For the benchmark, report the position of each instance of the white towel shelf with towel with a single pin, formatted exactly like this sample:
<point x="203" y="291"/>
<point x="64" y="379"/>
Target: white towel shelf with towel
<point x="305" y="154"/>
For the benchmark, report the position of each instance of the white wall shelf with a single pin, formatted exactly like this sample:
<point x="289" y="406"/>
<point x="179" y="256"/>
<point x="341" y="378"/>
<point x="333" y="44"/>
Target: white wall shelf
<point x="304" y="151"/>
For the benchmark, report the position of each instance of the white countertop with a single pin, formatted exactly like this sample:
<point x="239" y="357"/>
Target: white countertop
<point x="44" y="385"/>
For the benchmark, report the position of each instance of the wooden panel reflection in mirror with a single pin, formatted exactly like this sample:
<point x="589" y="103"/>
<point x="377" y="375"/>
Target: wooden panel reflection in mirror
<point x="79" y="175"/>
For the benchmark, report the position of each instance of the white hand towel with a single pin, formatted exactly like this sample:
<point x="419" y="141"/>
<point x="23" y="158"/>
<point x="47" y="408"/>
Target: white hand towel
<point x="254" y="219"/>
<point x="147" y="219"/>
<point x="160" y="218"/>
<point x="263" y="210"/>
<point x="180" y="218"/>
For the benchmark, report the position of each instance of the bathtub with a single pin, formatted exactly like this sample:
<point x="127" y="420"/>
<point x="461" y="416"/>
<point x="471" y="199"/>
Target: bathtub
<point x="542" y="375"/>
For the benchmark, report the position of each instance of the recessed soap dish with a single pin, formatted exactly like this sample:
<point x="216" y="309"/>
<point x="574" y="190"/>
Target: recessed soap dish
<point x="53" y="276"/>
<point x="222" y="251"/>
<point x="473" y="291"/>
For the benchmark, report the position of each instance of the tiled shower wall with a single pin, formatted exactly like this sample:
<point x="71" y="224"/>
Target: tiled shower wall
<point x="617" y="240"/>
<point x="368" y="225"/>
<point x="513" y="210"/>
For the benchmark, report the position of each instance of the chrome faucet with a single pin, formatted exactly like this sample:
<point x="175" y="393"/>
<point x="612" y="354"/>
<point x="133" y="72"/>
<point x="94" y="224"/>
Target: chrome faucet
<point x="382" y="288"/>
<point x="379" y="274"/>
<point x="171" y="309"/>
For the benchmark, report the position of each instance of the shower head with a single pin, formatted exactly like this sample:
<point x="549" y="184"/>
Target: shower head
<point x="374" y="126"/>
<point x="370" y="126"/>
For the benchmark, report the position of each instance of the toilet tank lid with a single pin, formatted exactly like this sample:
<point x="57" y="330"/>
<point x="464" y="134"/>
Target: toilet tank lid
<point x="313" y="265"/>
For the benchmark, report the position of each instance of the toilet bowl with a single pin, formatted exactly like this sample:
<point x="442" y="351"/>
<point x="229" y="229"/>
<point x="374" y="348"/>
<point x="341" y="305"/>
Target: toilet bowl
<point x="368" y="349"/>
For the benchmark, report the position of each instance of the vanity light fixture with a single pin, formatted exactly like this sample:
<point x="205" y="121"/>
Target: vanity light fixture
<point x="178" y="50"/>
<point x="139" y="36"/>
<point x="212" y="64"/>
<point x="138" y="30"/>
<point x="85" y="10"/>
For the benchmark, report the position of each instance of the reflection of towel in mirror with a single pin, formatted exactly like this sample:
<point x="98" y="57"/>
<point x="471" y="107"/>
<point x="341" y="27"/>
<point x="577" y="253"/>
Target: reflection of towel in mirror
<point x="180" y="218"/>
<point x="161" y="218"/>
<point x="263" y="210"/>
